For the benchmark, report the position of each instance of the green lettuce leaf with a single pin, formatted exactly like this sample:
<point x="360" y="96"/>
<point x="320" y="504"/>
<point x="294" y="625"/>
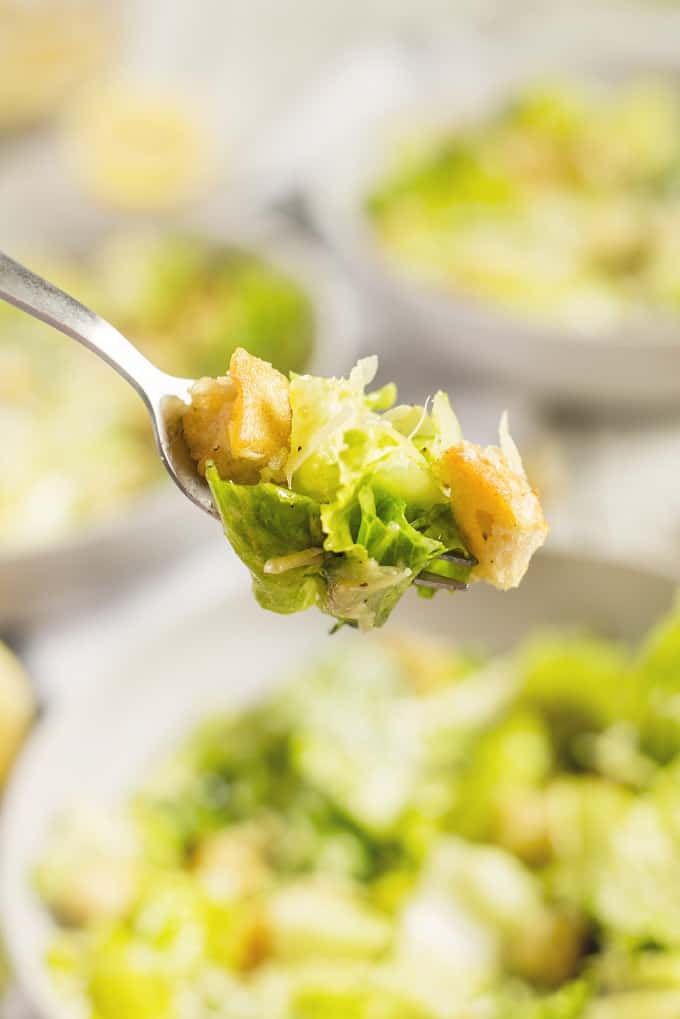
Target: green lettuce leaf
<point x="266" y="522"/>
<point x="382" y="552"/>
<point x="580" y="684"/>
<point x="337" y="440"/>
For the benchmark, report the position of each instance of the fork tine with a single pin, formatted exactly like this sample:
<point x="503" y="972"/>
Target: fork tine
<point x="438" y="583"/>
<point x="458" y="557"/>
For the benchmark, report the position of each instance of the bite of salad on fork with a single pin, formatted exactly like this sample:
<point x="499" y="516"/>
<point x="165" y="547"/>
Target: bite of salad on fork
<point x="338" y="497"/>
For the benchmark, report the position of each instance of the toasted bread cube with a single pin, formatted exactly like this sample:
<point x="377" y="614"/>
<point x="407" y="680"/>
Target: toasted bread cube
<point x="260" y="423"/>
<point x="498" y="512"/>
<point x="206" y="424"/>
<point x="240" y="421"/>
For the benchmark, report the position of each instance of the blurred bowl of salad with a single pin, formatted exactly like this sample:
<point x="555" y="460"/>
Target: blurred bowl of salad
<point x="84" y="503"/>
<point x="474" y="814"/>
<point x="524" y="213"/>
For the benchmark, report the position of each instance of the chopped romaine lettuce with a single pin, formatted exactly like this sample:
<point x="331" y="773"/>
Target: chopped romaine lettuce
<point x="402" y="832"/>
<point x="277" y="533"/>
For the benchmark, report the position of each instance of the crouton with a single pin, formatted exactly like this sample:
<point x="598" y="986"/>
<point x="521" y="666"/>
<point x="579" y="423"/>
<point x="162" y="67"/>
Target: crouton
<point x="241" y="422"/>
<point x="206" y="424"/>
<point x="497" y="511"/>
<point x="259" y="428"/>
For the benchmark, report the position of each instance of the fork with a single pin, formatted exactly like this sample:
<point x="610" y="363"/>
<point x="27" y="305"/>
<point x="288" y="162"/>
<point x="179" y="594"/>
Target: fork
<point x="440" y="582"/>
<point x="165" y="396"/>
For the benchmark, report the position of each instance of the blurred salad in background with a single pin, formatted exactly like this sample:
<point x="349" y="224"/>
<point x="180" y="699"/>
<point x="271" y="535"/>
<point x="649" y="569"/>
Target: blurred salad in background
<point x="563" y="205"/>
<point x="404" y="831"/>
<point x="77" y="444"/>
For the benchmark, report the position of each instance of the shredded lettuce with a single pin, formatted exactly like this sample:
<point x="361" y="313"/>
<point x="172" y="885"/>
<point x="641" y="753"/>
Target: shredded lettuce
<point x="337" y="437"/>
<point x="382" y="551"/>
<point x="265" y="522"/>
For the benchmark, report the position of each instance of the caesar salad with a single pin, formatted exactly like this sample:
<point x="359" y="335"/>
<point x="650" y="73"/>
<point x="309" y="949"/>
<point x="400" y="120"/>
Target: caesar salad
<point x="336" y="496"/>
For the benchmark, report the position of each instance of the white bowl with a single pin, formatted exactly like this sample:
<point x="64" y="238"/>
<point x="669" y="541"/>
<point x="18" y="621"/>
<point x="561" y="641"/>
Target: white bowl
<point x="219" y="649"/>
<point x="638" y="366"/>
<point x="40" y="582"/>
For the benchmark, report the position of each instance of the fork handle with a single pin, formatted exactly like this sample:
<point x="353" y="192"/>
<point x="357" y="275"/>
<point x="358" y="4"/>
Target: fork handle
<point x="34" y="295"/>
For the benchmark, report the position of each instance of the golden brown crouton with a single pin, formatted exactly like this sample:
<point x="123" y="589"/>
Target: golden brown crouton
<point x="496" y="509"/>
<point x="259" y="429"/>
<point x="206" y="423"/>
<point x="241" y="421"/>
